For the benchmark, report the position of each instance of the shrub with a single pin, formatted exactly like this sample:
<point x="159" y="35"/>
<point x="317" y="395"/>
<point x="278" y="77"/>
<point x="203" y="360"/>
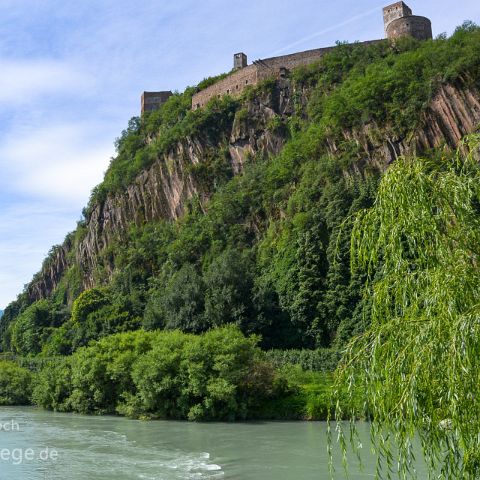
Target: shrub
<point x="320" y="360"/>
<point x="53" y="385"/>
<point x="15" y="384"/>
<point x="218" y="375"/>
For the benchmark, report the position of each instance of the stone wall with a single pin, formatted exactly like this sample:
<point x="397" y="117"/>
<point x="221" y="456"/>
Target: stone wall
<point x="394" y="11"/>
<point x="239" y="80"/>
<point x="260" y="70"/>
<point x="416" y="27"/>
<point x="233" y="85"/>
<point x="154" y="100"/>
<point x="295" y="60"/>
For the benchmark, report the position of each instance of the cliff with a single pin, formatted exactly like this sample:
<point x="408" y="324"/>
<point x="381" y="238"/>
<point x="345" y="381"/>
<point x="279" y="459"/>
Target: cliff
<point x="239" y="212"/>
<point x="163" y="191"/>
<point x="453" y="113"/>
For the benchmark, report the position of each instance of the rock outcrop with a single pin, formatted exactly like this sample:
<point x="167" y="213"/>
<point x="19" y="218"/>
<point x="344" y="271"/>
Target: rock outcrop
<point x="163" y="190"/>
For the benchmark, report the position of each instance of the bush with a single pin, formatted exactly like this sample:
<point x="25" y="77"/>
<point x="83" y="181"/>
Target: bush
<point x="320" y="360"/>
<point x="33" y="326"/>
<point x="15" y="384"/>
<point x="53" y="385"/>
<point x="218" y="375"/>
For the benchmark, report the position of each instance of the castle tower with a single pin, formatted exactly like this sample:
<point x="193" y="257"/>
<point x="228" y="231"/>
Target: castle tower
<point x="397" y="10"/>
<point x="239" y="61"/>
<point x="400" y="22"/>
<point x="154" y="100"/>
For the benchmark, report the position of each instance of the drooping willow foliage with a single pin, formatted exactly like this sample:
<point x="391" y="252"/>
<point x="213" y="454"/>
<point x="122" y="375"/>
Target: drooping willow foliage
<point x="418" y="366"/>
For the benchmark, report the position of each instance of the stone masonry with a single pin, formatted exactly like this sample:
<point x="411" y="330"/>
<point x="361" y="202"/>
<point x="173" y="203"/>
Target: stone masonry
<point x="154" y="100"/>
<point x="394" y="11"/>
<point x="260" y="70"/>
<point x="399" y="22"/>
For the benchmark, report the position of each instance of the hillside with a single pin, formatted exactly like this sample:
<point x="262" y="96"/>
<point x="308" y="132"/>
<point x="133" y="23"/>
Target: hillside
<point x="241" y="212"/>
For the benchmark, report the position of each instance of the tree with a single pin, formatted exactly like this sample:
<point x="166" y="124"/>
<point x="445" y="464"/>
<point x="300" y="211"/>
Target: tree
<point x="228" y="283"/>
<point x="33" y="326"/>
<point x="15" y="384"/>
<point x="96" y="314"/>
<point x="419" y="363"/>
<point x="179" y="304"/>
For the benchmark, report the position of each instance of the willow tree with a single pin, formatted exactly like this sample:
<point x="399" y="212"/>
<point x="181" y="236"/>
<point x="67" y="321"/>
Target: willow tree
<point x="418" y="365"/>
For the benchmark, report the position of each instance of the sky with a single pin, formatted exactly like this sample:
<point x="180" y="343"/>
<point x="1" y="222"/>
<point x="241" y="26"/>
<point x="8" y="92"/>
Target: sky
<point x="72" y="73"/>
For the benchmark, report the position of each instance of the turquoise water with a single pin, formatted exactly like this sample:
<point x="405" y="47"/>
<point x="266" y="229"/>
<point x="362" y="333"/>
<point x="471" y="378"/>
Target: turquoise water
<point x="39" y="445"/>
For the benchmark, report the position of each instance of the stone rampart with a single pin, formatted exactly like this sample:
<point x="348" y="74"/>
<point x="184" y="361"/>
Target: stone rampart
<point x="152" y="101"/>
<point x="260" y="70"/>
<point x="232" y="85"/>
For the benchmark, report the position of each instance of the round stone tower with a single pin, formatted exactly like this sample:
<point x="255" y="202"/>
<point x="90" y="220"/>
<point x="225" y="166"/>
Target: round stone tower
<point x="399" y="22"/>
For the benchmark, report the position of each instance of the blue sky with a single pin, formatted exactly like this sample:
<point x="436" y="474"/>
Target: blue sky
<point x="72" y="73"/>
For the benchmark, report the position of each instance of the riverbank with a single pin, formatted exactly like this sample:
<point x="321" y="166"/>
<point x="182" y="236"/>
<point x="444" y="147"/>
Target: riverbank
<point x="220" y="375"/>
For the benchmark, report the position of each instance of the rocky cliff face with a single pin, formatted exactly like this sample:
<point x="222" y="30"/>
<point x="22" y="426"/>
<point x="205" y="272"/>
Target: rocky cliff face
<point x="162" y="191"/>
<point x="47" y="280"/>
<point x="453" y="113"/>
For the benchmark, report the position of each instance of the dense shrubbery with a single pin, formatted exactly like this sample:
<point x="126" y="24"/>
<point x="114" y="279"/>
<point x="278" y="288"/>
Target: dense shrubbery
<point x="320" y="360"/>
<point x="388" y="85"/>
<point x="34" y="326"/>
<point x="15" y="384"/>
<point x="218" y="375"/>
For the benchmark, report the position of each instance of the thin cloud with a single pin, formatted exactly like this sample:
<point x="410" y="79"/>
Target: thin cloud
<point x="329" y="29"/>
<point x="23" y="81"/>
<point x="27" y="231"/>
<point x="61" y="162"/>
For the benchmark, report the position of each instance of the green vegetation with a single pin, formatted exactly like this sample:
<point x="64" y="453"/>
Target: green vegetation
<point x="15" y="384"/>
<point x="419" y="363"/>
<point x="320" y="360"/>
<point x="243" y="307"/>
<point x="386" y="86"/>
<point x="220" y="375"/>
<point x="158" y="133"/>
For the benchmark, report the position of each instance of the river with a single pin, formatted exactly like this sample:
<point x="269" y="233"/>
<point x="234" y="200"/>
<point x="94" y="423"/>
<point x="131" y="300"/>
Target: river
<point x="39" y="445"/>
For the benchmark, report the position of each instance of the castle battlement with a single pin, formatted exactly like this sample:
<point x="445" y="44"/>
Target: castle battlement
<point x="398" y="20"/>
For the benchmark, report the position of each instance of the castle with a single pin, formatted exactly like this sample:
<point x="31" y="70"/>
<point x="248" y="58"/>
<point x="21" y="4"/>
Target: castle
<point x="398" y="20"/>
